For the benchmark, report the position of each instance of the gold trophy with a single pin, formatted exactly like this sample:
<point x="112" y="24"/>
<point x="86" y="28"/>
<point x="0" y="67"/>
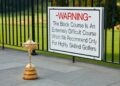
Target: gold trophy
<point x="30" y="72"/>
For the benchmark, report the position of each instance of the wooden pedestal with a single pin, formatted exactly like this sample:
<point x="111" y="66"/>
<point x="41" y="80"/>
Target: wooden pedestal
<point x="30" y="72"/>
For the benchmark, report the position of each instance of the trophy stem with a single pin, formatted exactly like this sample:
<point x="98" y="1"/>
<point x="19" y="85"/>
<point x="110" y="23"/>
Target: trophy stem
<point x="30" y="57"/>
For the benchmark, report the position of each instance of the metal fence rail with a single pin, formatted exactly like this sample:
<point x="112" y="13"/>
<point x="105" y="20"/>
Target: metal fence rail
<point x="21" y="18"/>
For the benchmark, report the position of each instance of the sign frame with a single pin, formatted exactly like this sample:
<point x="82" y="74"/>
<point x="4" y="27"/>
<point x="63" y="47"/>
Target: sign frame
<point x="101" y="32"/>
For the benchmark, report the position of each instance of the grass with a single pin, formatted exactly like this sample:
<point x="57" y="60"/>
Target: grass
<point x="14" y="36"/>
<point x="23" y="32"/>
<point x="116" y="45"/>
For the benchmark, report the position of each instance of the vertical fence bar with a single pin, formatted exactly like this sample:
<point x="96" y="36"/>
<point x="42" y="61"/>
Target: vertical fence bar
<point x="51" y="2"/>
<point x="73" y="60"/>
<point x="1" y="21"/>
<point x="79" y="3"/>
<point x="33" y="24"/>
<point x="33" y="20"/>
<point x="113" y="21"/>
<point x="47" y="23"/>
<point x="9" y="23"/>
<point x="92" y="3"/>
<point x="2" y="25"/>
<point x="119" y="47"/>
<point x="24" y="20"/>
<point x="67" y="2"/>
<point x="20" y="23"/>
<point x="5" y="22"/>
<point x="13" y="22"/>
<point x="16" y="23"/>
<point x="73" y="3"/>
<point x="42" y="24"/>
<point x="99" y="3"/>
<point x="105" y="58"/>
<point x="28" y="5"/>
<point x="105" y="25"/>
<point x="38" y="22"/>
<point x="62" y="3"/>
<point x="57" y="3"/>
<point x="85" y="3"/>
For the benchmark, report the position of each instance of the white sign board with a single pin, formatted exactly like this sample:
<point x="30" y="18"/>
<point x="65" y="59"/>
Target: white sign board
<point x="76" y="31"/>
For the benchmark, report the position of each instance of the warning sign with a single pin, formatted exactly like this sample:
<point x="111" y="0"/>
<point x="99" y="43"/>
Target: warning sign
<point x="76" y="31"/>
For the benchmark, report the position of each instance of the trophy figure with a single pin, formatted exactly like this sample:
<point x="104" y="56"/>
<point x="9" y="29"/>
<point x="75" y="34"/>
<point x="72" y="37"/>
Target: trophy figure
<point x="30" y="72"/>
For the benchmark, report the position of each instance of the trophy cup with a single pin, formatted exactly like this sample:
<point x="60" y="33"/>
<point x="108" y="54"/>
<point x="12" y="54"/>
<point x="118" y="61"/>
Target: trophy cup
<point x="30" y="72"/>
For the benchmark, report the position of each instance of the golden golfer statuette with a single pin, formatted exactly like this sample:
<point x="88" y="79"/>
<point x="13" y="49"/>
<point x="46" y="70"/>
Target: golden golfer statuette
<point x="30" y="72"/>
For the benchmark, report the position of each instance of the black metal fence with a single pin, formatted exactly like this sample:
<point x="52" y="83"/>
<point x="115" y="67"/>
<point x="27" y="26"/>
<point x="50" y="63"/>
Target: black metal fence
<point x="21" y="18"/>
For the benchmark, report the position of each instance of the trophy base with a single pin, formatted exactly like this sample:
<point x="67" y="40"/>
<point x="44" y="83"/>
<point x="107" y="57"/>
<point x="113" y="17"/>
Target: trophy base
<point x="30" y="72"/>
